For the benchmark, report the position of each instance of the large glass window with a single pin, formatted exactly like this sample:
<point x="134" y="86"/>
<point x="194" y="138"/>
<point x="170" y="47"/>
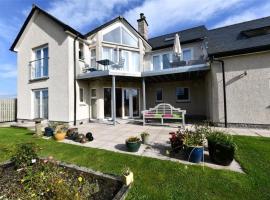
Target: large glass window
<point x="156" y="63"/>
<point x="110" y="53"/>
<point x="166" y="61"/>
<point x="39" y="67"/>
<point x="128" y="39"/>
<point x="113" y="36"/>
<point x="132" y="61"/>
<point x="41" y="103"/>
<point x="135" y="62"/>
<point x="182" y="94"/>
<point x="187" y="55"/>
<point x="121" y="36"/>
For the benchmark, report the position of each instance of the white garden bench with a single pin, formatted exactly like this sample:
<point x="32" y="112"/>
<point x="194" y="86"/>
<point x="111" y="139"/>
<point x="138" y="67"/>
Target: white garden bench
<point x="164" y="111"/>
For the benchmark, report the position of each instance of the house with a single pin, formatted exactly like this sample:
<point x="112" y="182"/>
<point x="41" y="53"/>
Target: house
<point x="63" y="75"/>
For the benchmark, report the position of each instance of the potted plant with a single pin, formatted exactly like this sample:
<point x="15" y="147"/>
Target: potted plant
<point x="60" y="132"/>
<point x="145" y="137"/>
<point x="193" y="145"/>
<point x="221" y="147"/>
<point x="133" y="144"/>
<point x="49" y="131"/>
<point x="177" y="140"/>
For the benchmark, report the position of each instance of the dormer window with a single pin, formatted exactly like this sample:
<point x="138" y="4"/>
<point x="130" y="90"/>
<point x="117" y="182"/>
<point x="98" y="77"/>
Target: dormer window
<point x="256" y="32"/>
<point x="120" y="35"/>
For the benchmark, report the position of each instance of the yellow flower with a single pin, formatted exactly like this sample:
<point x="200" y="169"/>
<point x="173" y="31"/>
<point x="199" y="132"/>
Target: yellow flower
<point x="80" y="179"/>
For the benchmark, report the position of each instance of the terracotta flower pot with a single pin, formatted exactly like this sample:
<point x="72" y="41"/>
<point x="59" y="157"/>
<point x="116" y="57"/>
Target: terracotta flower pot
<point x="60" y="136"/>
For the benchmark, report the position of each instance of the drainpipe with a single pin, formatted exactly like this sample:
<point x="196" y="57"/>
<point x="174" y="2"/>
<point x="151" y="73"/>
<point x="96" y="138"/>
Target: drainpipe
<point x="224" y="88"/>
<point x="74" y="81"/>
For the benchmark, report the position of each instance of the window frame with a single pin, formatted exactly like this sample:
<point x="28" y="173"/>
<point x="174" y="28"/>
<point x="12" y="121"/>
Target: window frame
<point x="81" y="51"/>
<point x="41" y="113"/>
<point x="160" y="54"/>
<point x="109" y="29"/>
<point x="191" y="53"/>
<point x="93" y="57"/>
<point x="93" y="97"/>
<point x="159" y="101"/>
<point x="182" y="100"/>
<point x="32" y="64"/>
<point x="81" y="98"/>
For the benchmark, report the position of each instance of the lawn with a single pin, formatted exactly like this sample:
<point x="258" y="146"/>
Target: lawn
<point x="157" y="179"/>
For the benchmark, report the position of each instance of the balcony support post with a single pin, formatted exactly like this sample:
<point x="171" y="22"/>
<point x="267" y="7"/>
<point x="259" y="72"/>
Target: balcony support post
<point x="143" y="93"/>
<point x="113" y="101"/>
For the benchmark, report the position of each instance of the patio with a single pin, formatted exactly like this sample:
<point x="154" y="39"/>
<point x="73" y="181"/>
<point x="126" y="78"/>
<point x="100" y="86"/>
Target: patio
<point x="113" y="138"/>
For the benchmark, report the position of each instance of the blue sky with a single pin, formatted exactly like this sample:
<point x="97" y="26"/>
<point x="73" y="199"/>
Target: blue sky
<point x="163" y="16"/>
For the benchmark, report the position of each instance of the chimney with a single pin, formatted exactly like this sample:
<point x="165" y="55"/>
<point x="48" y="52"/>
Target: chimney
<point x="143" y="26"/>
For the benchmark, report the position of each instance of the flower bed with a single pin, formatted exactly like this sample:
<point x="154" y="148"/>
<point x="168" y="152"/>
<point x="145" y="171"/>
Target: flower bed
<point x="28" y="177"/>
<point x="54" y="180"/>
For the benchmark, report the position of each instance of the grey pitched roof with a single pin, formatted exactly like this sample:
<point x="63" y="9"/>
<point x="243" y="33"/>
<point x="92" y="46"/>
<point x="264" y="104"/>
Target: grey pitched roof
<point x="231" y="40"/>
<point x="188" y="35"/>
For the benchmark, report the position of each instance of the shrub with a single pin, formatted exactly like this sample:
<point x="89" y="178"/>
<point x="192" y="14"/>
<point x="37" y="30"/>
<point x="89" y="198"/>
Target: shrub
<point x="133" y="139"/>
<point x="193" y="138"/>
<point x="143" y="134"/>
<point x="25" y="155"/>
<point x="221" y="138"/>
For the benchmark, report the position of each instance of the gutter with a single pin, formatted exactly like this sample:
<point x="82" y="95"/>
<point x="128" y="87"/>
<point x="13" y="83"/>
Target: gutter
<point x="74" y="79"/>
<point x="224" y="88"/>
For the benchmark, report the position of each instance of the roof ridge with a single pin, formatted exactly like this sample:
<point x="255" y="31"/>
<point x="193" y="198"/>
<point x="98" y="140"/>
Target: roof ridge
<point x="252" y="20"/>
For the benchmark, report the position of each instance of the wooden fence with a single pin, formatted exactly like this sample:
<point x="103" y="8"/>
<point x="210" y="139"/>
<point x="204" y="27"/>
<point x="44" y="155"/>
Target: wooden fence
<point x="8" y="110"/>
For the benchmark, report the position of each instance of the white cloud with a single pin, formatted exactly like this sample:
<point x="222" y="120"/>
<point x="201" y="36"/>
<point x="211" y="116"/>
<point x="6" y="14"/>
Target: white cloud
<point x="82" y="13"/>
<point x="8" y="71"/>
<point x="163" y="15"/>
<point x="250" y="14"/>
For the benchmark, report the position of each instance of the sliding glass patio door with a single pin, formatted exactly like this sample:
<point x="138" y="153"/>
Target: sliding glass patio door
<point x="130" y="102"/>
<point x="127" y="103"/>
<point x="41" y="103"/>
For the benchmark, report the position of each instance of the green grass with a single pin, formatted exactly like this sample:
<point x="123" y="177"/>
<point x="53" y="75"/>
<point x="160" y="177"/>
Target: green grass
<point x="157" y="179"/>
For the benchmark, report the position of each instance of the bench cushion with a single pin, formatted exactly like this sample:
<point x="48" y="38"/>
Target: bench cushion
<point x="178" y="116"/>
<point x="167" y="115"/>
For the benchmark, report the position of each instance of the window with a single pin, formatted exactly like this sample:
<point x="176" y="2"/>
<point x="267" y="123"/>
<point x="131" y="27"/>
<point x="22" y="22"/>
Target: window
<point x="182" y="94"/>
<point x="156" y="63"/>
<point x="121" y="36"/>
<point x="159" y="95"/>
<point x="93" y="93"/>
<point x="187" y="55"/>
<point x="162" y="61"/>
<point x="39" y="67"/>
<point x="81" y="51"/>
<point x="166" y="61"/>
<point x="132" y="60"/>
<point x="93" y="58"/>
<point x="110" y="53"/>
<point x="113" y="36"/>
<point x="128" y="39"/>
<point x="81" y="95"/>
<point x="41" y="103"/>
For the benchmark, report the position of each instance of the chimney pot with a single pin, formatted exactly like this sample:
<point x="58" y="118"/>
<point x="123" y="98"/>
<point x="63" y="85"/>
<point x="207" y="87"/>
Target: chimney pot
<point x="143" y="26"/>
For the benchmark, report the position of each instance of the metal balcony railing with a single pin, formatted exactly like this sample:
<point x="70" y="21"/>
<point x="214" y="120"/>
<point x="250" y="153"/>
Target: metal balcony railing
<point x="39" y="68"/>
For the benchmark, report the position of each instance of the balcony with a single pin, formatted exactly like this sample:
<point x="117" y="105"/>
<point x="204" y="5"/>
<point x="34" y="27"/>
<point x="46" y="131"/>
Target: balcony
<point x="39" y="69"/>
